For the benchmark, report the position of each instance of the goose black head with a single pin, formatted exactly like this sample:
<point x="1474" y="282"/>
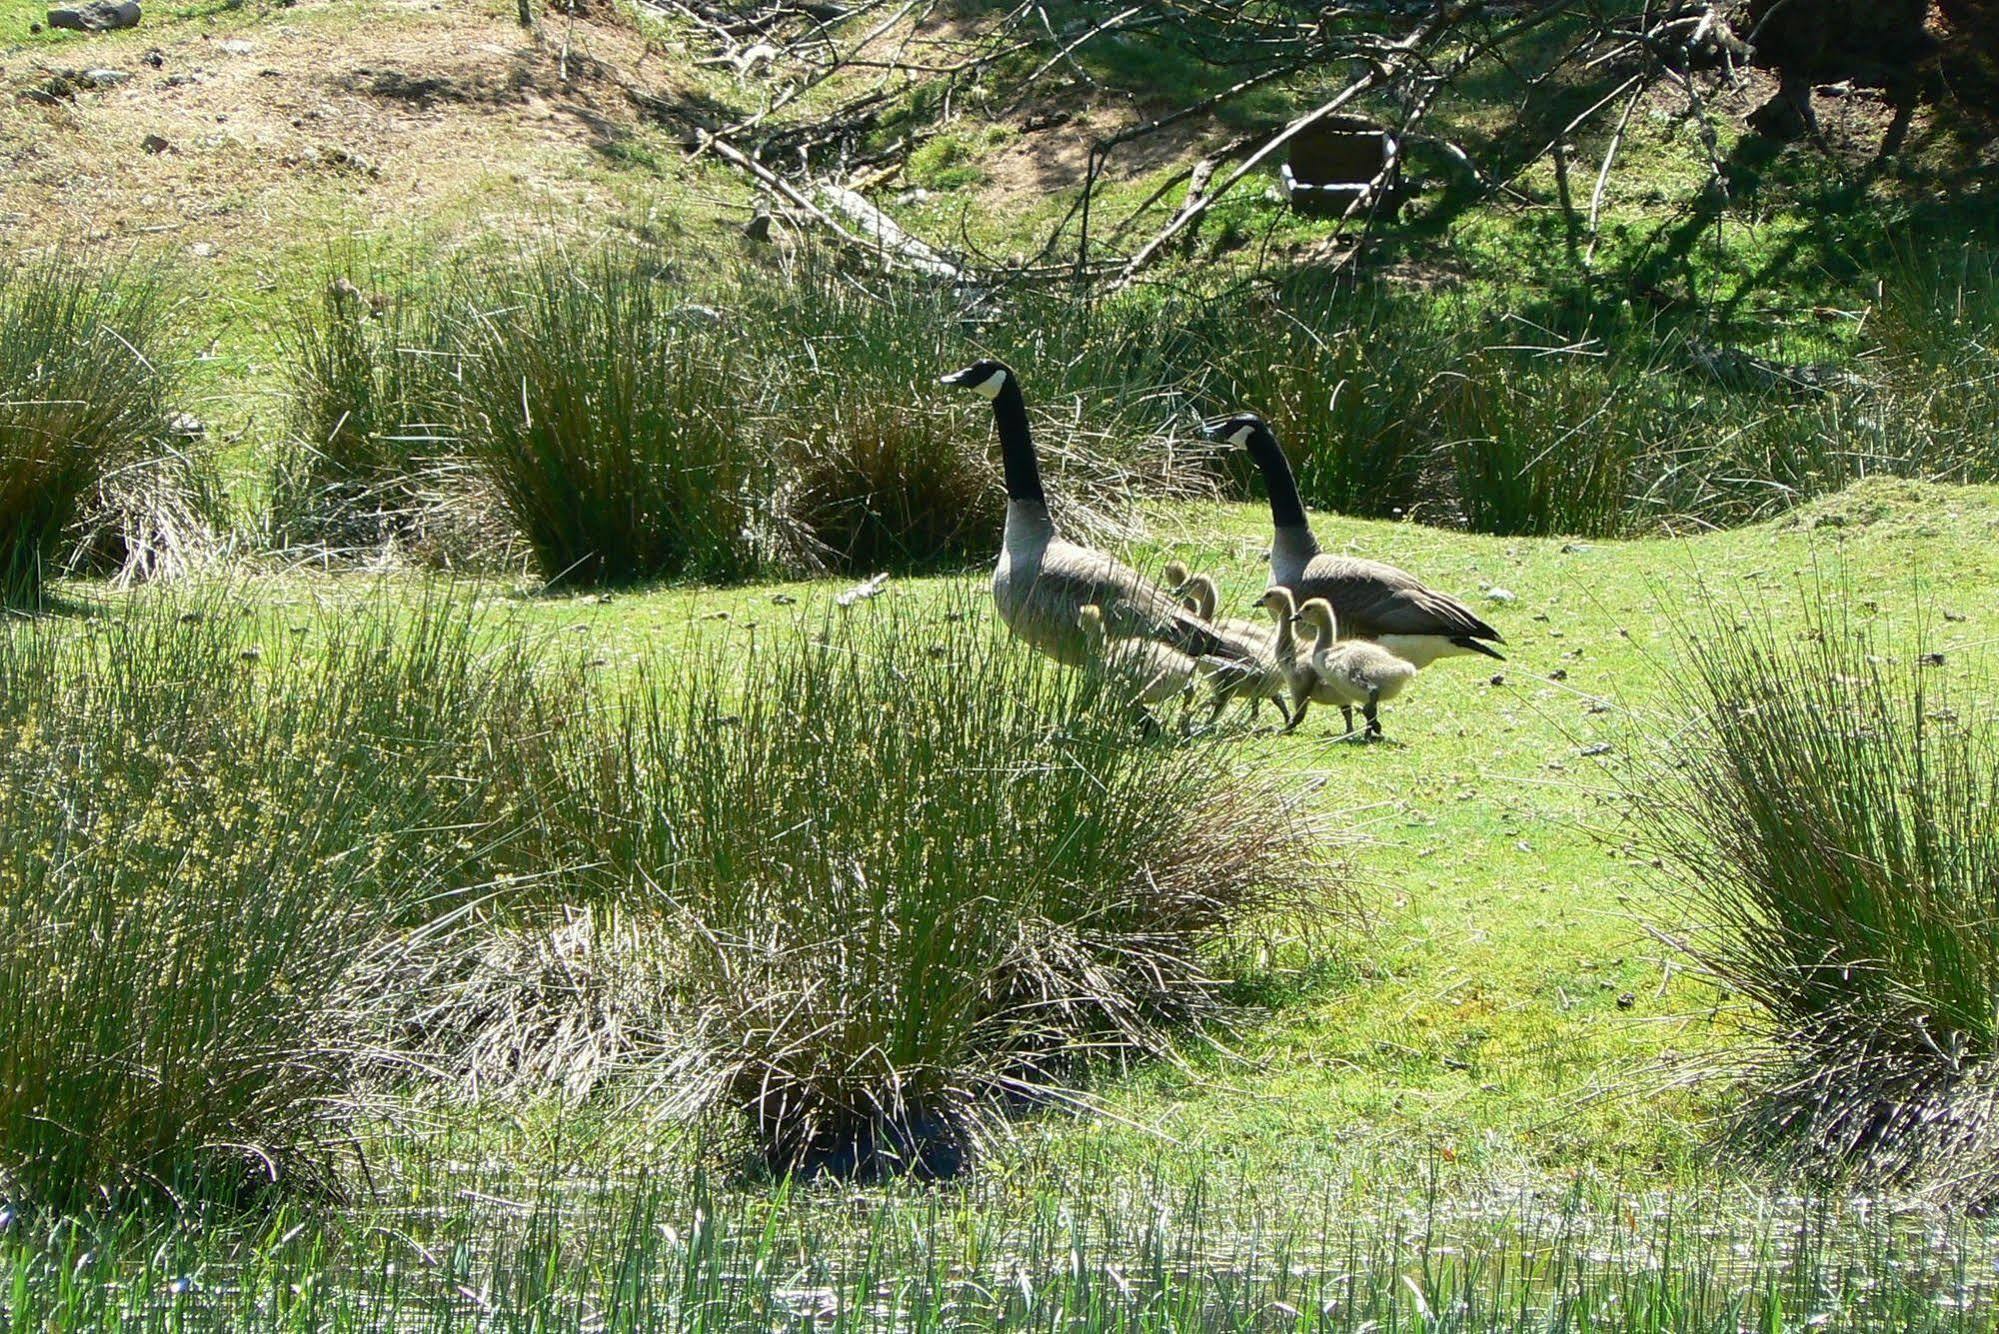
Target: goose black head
<point x="985" y="378"/>
<point x="1237" y="429"/>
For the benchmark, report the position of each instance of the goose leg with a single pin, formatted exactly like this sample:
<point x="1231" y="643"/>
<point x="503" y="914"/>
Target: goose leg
<point x="1346" y="712"/>
<point x="1370" y="712"/>
<point x="1297" y="714"/>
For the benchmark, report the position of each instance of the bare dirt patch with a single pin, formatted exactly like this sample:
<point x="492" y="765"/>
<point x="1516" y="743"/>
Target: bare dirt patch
<point x="1048" y="158"/>
<point x="217" y="135"/>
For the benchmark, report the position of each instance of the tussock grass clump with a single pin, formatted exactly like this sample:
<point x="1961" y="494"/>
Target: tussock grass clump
<point x="1537" y="449"/>
<point x="1352" y="382"/>
<point x="605" y="414"/>
<point x="1830" y="818"/>
<point x="212" y="841"/>
<point x="87" y="375"/>
<point x="880" y="471"/>
<point x="368" y="374"/>
<point x="917" y="873"/>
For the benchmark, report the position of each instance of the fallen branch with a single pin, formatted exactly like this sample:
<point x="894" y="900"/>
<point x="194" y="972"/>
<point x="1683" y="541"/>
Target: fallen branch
<point x="889" y="238"/>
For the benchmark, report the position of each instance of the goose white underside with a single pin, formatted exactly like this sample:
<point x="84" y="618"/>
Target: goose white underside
<point x="1422" y="650"/>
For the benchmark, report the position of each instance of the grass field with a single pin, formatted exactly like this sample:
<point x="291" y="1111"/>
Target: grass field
<point x="508" y="842"/>
<point x="1494" y="1079"/>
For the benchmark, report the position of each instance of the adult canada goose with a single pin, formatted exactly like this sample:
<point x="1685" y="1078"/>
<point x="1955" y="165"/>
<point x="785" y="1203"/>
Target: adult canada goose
<point x="1354" y="672"/>
<point x="1370" y="600"/>
<point x="1042" y="581"/>
<point x="1154" y="672"/>
<point x="1264" y="676"/>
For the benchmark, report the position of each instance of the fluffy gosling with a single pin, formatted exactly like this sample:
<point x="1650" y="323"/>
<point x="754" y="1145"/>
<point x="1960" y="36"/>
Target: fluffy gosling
<point x="1354" y="673"/>
<point x="1262" y="677"/>
<point x="1155" y="672"/>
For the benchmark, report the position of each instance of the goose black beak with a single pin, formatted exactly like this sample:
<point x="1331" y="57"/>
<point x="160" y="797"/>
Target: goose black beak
<point x="1212" y="427"/>
<point x="957" y="379"/>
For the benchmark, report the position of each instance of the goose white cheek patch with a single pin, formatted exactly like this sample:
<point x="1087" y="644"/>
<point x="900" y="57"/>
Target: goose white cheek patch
<point x="1241" y="437"/>
<point x="991" y="385"/>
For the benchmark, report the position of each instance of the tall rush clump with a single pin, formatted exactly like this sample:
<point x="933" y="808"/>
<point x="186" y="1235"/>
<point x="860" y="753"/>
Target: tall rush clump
<point x="87" y="375"/>
<point x="214" y="839"/>
<point x="604" y="411"/>
<point x="918" y="874"/>
<point x="1828" y="821"/>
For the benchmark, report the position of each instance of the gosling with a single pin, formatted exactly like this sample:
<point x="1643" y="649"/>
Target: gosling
<point x="1156" y="672"/>
<point x="1353" y="673"/>
<point x="1174" y="577"/>
<point x="1262" y="676"/>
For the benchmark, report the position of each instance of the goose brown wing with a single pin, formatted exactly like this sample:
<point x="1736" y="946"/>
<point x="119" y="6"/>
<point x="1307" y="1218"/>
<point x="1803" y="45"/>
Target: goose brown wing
<point x="1134" y="607"/>
<point x="1372" y="599"/>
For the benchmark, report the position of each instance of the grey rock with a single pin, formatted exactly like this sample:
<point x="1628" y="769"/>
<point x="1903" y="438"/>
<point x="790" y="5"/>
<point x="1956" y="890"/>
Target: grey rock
<point x="98" y="16"/>
<point x="106" y="78"/>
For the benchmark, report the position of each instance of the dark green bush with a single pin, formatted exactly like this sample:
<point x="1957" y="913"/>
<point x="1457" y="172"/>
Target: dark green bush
<point x="1538" y="448"/>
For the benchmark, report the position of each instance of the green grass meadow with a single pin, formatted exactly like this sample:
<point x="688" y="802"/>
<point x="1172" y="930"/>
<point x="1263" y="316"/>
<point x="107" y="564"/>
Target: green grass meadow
<point x="524" y="816"/>
<point x="1494" y="1101"/>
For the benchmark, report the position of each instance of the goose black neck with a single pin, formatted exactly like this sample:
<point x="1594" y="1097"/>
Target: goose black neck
<point x="1286" y="509"/>
<point x="1023" y="472"/>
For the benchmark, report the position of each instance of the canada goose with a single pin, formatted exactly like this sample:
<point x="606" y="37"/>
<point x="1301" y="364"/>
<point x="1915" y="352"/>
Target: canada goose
<point x="1155" y="672"/>
<point x="1370" y="600"/>
<point x="1041" y="581"/>
<point x="1354" y="672"/>
<point x="1264" y="676"/>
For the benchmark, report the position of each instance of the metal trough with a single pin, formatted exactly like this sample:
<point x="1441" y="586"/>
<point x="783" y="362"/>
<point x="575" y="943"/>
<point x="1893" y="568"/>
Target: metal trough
<point x="1341" y="165"/>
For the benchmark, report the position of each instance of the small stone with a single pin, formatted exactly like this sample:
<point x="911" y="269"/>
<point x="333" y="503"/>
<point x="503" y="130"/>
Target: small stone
<point x="106" y="78"/>
<point x="1502" y="596"/>
<point x="1559" y="674"/>
<point x="155" y="144"/>
<point x="1498" y="679"/>
<point x="187" y="426"/>
<point x="1626" y="1000"/>
<point x="201" y="250"/>
<point x="1954" y="616"/>
<point x="155" y="58"/>
<point x="99" y="16"/>
<point x="235" y="46"/>
<point x="1599" y="748"/>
